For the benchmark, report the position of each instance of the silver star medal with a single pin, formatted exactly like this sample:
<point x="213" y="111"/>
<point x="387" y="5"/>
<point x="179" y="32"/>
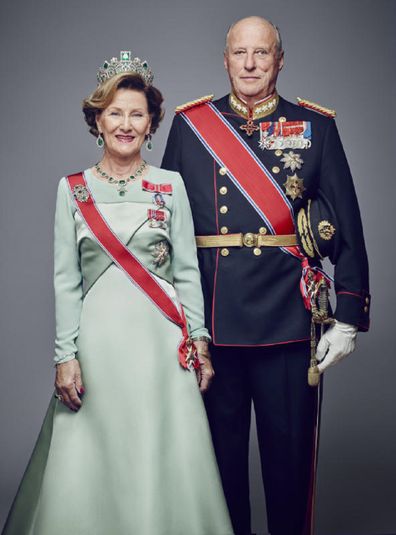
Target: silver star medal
<point x="160" y="253"/>
<point x="292" y="161"/>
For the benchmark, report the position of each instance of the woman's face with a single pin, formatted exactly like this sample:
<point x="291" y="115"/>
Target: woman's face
<point x="125" y="123"/>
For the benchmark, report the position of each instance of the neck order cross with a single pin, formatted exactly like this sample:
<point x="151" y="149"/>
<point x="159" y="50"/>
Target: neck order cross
<point x="249" y="127"/>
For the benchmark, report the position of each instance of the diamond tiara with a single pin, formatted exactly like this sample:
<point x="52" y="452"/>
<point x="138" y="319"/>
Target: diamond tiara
<point x="124" y="65"/>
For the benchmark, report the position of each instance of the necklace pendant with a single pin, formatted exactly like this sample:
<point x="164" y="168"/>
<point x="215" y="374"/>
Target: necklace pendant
<point x="122" y="188"/>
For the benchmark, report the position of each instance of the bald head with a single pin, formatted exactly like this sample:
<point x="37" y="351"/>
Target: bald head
<point x="255" y="23"/>
<point x="253" y="58"/>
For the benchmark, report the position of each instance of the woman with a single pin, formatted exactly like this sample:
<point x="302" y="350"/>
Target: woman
<point x="125" y="446"/>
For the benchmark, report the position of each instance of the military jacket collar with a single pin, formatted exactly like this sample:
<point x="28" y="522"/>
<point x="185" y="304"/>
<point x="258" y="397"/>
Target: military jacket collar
<point x="262" y="108"/>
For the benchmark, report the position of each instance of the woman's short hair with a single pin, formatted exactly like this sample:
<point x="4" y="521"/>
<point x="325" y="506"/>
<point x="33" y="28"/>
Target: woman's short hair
<point x="104" y="94"/>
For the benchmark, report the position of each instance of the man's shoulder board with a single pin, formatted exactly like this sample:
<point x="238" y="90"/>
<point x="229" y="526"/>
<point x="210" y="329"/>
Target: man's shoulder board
<point x="316" y="107"/>
<point x="193" y="103"/>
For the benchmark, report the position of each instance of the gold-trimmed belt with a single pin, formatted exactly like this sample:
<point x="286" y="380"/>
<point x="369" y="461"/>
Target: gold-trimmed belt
<point x="246" y="240"/>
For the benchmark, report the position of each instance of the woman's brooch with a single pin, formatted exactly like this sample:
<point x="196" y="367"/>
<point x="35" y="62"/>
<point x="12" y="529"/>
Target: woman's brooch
<point x="81" y="193"/>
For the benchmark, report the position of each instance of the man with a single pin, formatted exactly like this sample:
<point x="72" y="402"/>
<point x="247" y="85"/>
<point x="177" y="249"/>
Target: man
<point x="254" y="163"/>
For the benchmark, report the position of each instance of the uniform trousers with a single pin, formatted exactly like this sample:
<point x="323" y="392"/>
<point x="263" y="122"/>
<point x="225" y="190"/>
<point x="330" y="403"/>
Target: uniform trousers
<point x="286" y="408"/>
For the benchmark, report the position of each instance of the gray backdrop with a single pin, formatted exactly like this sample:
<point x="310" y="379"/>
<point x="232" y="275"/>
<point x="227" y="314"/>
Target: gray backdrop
<point x="338" y="53"/>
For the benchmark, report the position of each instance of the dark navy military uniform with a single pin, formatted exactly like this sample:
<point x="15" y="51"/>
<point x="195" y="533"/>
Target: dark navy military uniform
<point x="254" y="310"/>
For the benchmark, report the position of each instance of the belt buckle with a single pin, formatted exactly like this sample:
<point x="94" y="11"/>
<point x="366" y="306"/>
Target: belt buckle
<point x="250" y="240"/>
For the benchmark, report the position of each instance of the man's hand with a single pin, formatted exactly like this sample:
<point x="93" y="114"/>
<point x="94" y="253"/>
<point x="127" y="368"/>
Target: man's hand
<point x="336" y="343"/>
<point x="205" y="372"/>
<point x="69" y="385"/>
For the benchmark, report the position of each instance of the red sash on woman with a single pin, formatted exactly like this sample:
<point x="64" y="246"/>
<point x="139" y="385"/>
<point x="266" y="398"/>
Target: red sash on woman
<point x="131" y="266"/>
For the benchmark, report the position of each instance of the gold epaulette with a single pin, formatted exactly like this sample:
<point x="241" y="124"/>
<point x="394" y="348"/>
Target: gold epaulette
<point x="316" y="107"/>
<point x="193" y="103"/>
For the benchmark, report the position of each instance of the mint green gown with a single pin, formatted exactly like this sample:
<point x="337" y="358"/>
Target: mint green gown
<point x="137" y="459"/>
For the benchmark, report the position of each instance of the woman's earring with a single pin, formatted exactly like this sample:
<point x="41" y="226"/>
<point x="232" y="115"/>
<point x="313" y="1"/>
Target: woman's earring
<point x="100" y="141"/>
<point x="149" y="143"/>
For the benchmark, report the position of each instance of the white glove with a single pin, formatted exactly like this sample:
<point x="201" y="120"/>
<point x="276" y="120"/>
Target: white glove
<point x="335" y="344"/>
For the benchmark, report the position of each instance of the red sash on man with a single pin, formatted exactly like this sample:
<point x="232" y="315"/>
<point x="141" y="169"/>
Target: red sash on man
<point x="244" y="168"/>
<point x="252" y="179"/>
<point x="131" y="266"/>
<point x="262" y="191"/>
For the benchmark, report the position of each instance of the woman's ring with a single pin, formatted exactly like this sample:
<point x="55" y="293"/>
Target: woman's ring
<point x="59" y="397"/>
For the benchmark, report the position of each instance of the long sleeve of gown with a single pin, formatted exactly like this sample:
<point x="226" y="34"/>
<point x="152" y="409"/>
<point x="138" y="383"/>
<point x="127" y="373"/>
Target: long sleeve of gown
<point x="67" y="277"/>
<point x="187" y="278"/>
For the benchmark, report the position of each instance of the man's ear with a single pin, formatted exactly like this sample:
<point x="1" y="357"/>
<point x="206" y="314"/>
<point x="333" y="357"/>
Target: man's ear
<point x="281" y="60"/>
<point x="225" y="59"/>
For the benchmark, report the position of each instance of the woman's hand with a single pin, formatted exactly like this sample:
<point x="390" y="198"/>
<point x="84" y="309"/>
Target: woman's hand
<point x="68" y="384"/>
<point x="205" y="372"/>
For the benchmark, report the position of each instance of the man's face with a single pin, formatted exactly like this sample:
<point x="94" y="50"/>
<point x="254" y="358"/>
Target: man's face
<point x="251" y="59"/>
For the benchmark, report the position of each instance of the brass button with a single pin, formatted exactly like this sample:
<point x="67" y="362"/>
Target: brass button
<point x="223" y="171"/>
<point x="278" y="152"/>
<point x="224" y="230"/>
<point x="275" y="169"/>
<point x="282" y="119"/>
<point x="257" y="251"/>
<point x="224" y="252"/>
<point x="249" y="239"/>
<point x="223" y="190"/>
<point x="365" y="309"/>
<point x="367" y="300"/>
<point x="262" y="230"/>
<point x="223" y="209"/>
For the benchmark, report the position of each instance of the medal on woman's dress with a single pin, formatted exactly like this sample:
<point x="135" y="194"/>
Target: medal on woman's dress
<point x="160" y="253"/>
<point x="157" y="219"/>
<point x="133" y="268"/>
<point x="158" y="200"/>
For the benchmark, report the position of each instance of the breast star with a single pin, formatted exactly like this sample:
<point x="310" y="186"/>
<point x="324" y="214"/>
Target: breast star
<point x="292" y="161"/>
<point x="294" y="187"/>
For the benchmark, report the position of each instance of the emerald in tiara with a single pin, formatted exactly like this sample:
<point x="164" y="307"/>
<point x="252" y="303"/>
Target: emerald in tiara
<point x="125" y="55"/>
<point x="126" y="64"/>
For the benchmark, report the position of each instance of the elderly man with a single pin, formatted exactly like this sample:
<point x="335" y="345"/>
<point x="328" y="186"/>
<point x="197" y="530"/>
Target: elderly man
<point x="259" y="170"/>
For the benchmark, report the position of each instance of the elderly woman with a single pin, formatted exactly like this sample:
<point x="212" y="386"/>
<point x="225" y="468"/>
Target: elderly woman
<point x="125" y="446"/>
